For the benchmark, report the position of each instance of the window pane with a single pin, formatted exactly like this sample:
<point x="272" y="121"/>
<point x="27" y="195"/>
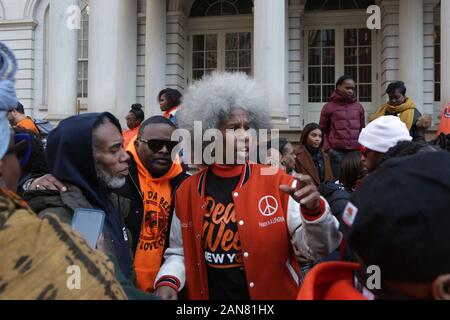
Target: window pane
<point x="211" y="42"/>
<point x="85" y="89"/>
<point x="437" y="92"/>
<point x="228" y="9"/>
<point x="314" y="39"/>
<point x="437" y="72"/>
<point x="85" y="71"/>
<point x="314" y="75"/>
<point x="350" y="56"/>
<point x="328" y="75"/>
<point x="198" y="42"/>
<point x="211" y="60"/>
<point x="351" y="71"/>
<point x="244" y="59"/>
<point x="365" y="75"/>
<point x="197" y="74"/>
<point x="328" y="38"/>
<point x="326" y="92"/>
<point x="365" y="55"/>
<point x="198" y="60"/>
<point x="80" y="70"/>
<point x="245" y="40"/>
<point x="365" y="37"/>
<point x="86" y="49"/>
<point x="365" y="93"/>
<point x="328" y="57"/>
<point x="350" y="37"/>
<point x="247" y="71"/>
<point x="316" y="5"/>
<point x="231" y="59"/>
<point x="314" y="57"/>
<point x="437" y="53"/>
<point x="85" y="27"/>
<point x="314" y="94"/>
<point x="213" y="10"/>
<point x="221" y="7"/>
<point x="231" y="42"/>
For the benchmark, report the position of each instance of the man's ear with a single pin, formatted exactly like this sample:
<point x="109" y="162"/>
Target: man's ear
<point x="441" y="287"/>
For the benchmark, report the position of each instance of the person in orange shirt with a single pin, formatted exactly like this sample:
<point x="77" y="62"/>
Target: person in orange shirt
<point x="444" y="125"/>
<point x="169" y="103"/>
<point x="18" y="119"/>
<point x="134" y="120"/>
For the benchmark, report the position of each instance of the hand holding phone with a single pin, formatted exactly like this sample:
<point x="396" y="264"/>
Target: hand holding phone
<point x="89" y="223"/>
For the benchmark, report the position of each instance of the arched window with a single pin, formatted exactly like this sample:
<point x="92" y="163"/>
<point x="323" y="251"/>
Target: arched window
<point x="83" y="49"/>
<point x="203" y="8"/>
<point x="315" y="5"/>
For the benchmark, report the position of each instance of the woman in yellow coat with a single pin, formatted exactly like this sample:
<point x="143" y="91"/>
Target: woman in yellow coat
<point x="405" y="108"/>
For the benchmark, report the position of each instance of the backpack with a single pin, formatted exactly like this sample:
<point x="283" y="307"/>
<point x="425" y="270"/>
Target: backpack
<point x="43" y="126"/>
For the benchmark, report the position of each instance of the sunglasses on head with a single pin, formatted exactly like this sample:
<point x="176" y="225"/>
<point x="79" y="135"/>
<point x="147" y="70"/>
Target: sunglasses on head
<point x="156" y="144"/>
<point x="22" y="147"/>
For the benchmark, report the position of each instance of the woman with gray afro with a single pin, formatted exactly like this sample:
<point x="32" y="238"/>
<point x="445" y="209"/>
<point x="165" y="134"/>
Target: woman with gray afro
<point x="237" y="231"/>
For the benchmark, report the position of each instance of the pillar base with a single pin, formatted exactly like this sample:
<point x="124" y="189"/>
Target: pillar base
<point x="279" y="121"/>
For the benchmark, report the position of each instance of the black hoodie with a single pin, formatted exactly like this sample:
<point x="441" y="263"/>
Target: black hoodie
<point x="70" y="158"/>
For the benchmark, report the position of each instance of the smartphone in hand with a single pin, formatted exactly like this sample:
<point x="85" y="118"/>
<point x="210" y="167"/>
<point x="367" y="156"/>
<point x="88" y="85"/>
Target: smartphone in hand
<point x="89" y="224"/>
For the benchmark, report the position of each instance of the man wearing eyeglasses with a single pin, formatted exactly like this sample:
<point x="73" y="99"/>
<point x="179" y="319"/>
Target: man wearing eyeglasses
<point x="152" y="182"/>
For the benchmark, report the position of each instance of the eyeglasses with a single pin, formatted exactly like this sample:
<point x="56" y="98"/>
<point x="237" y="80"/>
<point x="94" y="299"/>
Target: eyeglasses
<point x="22" y="147"/>
<point x="156" y="144"/>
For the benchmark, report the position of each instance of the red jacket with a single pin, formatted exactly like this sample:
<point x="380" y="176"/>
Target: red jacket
<point x="342" y="120"/>
<point x="330" y="281"/>
<point x="269" y="258"/>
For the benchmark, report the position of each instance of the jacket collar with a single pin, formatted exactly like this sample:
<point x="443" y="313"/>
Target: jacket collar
<point x="245" y="175"/>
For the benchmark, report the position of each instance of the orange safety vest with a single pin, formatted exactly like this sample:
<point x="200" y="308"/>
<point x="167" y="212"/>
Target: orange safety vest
<point x="444" y="125"/>
<point x="261" y="212"/>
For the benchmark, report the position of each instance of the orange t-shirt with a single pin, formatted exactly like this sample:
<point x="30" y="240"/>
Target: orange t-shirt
<point x="129" y="135"/>
<point x="28" y="124"/>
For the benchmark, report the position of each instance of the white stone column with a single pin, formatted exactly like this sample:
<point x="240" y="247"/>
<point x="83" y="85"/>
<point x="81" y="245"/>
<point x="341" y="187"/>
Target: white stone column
<point x="411" y="48"/>
<point x="63" y="63"/>
<point x="155" y="54"/>
<point x="112" y="56"/>
<point x="445" y="52"/>
<point x="270" y="57"/>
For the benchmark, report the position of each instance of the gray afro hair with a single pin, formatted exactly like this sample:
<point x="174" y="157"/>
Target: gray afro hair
<point x="211" y="100"/>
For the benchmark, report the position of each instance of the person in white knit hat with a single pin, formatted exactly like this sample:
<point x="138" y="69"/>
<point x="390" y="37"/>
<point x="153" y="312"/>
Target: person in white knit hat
<point x="378" y="137"/>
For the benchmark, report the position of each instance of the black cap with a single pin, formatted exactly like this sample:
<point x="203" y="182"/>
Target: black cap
<point x="402" y="222"/>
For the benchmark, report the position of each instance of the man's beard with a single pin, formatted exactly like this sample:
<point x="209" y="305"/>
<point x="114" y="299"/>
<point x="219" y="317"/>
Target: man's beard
<point x="111" y="182"/>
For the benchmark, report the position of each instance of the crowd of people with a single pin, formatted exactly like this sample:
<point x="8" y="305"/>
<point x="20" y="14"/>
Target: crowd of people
<point x="349" y="195"/>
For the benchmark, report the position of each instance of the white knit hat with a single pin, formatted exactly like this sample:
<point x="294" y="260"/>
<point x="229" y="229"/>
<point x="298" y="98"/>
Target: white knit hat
<point x="384" y="133"/>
